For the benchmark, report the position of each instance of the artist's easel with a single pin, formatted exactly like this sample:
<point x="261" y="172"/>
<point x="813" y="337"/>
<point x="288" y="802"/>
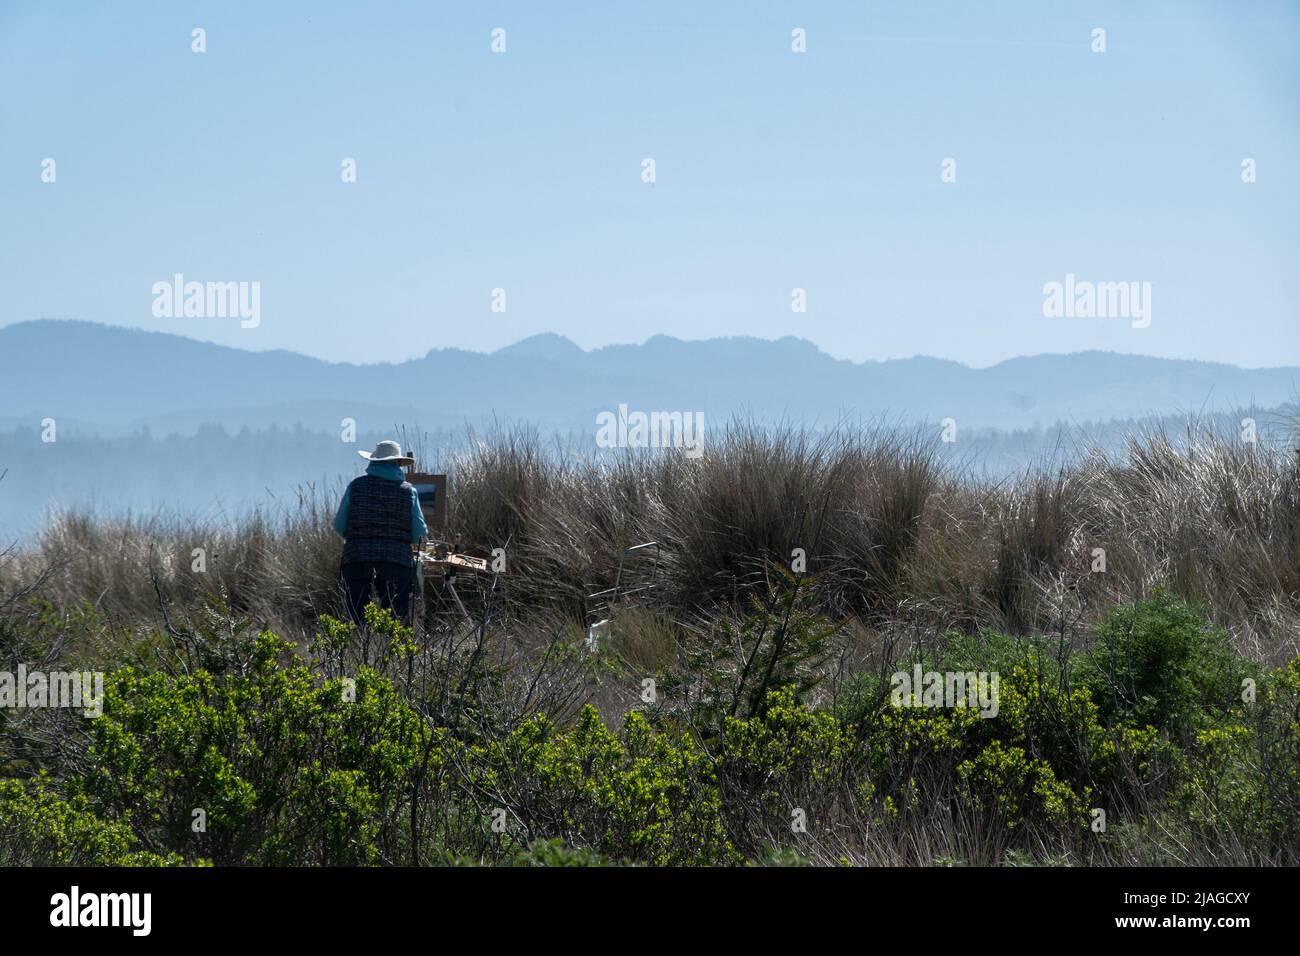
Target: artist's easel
<point x="437" y="556"/>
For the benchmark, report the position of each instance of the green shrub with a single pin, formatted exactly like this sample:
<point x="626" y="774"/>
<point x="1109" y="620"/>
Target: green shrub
<point x="1277" y="722"/>
<point x="38" y="828"/>
<point x="785" y="758"/>
<point x="1242" y="775"/>
<point x="1045" y="757"/>
<point x="998" y="767"/>
<point x="283" y="766"/>
<point x="1160" y="662"/>
<point x="639" y="796"/>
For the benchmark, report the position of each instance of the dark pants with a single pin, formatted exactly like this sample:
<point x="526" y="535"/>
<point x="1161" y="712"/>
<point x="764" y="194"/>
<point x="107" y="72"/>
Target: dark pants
<point x="385" y="583"/>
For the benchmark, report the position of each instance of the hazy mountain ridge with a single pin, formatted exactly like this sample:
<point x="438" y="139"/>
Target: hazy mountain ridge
<point x="109" y="378"/>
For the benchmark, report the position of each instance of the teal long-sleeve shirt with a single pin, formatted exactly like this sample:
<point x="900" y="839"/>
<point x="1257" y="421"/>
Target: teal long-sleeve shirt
<point x="419" y="530"/>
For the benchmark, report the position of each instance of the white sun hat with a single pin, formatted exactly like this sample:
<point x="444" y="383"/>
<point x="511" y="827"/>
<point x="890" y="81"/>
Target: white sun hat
<point x="387" y="451"/>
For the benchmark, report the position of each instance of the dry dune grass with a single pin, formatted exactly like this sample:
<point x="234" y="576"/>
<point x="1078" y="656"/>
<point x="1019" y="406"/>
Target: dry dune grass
<point x="893" y="535"/>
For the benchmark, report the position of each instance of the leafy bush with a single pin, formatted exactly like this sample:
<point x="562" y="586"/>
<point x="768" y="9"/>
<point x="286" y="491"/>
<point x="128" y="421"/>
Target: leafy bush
<point x="785" y="760"/>
<point x="284" y="767"/>
<point x="1277" y="723"/>
<point x="639" y="795"/>
<point x="1159" y="663"/>
<point x="1243" y="774"/>
<point x="1010" y="768"/>
<point x="38" y="828"/>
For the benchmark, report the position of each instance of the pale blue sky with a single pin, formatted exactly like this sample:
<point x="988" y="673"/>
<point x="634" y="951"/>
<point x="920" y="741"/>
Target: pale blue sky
<point x="775" y="170"/>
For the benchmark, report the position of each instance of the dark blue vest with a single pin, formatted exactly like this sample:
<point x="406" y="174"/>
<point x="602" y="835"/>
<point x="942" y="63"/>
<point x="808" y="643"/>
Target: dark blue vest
<point x="379" y="521"/>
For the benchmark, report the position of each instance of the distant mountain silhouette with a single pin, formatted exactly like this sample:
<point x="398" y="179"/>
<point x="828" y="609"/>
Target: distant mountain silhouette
<point x="110" y="379"/>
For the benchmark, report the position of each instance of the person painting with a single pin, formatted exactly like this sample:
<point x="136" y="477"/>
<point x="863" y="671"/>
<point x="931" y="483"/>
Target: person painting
<point x="379" y="519"/>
